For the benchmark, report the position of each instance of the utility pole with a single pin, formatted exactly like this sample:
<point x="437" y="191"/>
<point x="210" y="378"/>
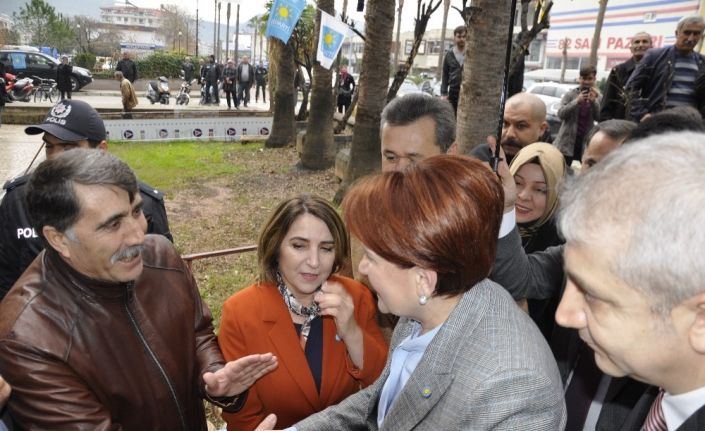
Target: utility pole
<point x="398" y="46"/>
<point x="215" y="23"/>
<point x="218" y="55"/>
<point x="237" y="30"/>
<point x="227" y="32"/>
<point x="197" y="41"/>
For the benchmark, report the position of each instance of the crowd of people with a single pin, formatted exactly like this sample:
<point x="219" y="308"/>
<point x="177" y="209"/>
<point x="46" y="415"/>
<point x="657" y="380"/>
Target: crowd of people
<point x="539" y="297"/>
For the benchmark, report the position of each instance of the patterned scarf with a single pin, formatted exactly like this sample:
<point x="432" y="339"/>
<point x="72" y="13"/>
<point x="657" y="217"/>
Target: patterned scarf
<point x="309" y="313"/>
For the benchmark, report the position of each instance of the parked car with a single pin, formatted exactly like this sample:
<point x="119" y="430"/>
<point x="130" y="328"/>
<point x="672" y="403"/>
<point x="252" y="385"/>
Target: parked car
<point x="551" y="93"/>
<point x="408" y="87"/>
<point x="28" y="63"/>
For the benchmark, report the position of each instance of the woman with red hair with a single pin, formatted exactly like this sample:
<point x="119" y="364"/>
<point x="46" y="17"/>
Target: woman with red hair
<point x="463" y="355"/>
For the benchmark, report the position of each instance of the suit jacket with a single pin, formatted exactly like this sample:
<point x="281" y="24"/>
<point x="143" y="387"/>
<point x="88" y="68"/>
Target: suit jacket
<point x="256" y="320"/>
<point x="488" y="367"/>
<point x="614" y="101"/>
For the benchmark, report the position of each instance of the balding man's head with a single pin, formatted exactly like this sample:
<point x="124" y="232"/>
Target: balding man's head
<point x="641" y="42"/>
<point x="524" y="122"/>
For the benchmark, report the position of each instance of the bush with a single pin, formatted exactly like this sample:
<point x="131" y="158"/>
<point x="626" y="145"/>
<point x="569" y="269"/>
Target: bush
<point x="84" y="59"/>
<point x="161" y="64"/>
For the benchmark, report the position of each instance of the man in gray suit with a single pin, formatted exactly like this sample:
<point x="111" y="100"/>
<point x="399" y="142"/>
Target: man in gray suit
<point x="636" y="283"/>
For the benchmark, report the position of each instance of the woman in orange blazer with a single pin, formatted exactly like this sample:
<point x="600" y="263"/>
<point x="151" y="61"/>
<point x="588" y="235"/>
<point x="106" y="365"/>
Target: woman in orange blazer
<point x="320" y="326"/>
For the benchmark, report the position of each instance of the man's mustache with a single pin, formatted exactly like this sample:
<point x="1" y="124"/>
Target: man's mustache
<point x="127" y="253"/>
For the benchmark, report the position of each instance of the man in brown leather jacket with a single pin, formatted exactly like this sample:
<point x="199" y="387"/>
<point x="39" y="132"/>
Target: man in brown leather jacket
<point x="106" y="329"/>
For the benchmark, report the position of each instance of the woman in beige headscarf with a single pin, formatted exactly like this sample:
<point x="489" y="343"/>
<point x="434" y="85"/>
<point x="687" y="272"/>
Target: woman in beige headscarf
<point x="538" y="170"/>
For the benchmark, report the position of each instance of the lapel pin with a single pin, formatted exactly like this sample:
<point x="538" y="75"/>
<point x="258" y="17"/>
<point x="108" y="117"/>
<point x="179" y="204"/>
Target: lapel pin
<point x="426" y="392"/>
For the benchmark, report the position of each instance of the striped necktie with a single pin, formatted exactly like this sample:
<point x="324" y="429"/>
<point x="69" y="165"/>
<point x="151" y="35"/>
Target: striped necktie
<point x="655" y="421"/>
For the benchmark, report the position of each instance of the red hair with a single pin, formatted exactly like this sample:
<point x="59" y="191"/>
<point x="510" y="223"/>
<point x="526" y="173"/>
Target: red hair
<point x="442" y="214"/>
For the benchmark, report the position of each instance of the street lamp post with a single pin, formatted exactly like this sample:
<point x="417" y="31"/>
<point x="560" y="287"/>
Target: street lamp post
<point x="215" y="23"/>
<point x="197" y="41"/>
<point x="237" y="29"/>
<point x="218" y="46"/>
<point x="227" y="32"/>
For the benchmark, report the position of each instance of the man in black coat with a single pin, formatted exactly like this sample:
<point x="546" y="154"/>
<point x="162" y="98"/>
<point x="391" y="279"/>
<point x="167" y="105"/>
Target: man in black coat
<point x="614" y="100"/>
<point x="127" y="67"/>
<point x="453" y="68"/>
<point x="210" y="74"/>
<point x="63" y="78"/>
<point x="69" y="124"/>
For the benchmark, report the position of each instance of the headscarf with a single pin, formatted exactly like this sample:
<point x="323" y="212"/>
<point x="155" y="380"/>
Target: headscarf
<point x="553" y="166"/>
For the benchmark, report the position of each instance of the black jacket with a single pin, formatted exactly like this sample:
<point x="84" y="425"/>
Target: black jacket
<point x="128" y="69"/>
<point x="231" y="76"/>
<point x="250" y="72"/>
<point x="651" y="80"/>
<point x="452" y="74"/>
<point x="20" y="244"/>
<point x="188" y="71"/>
<point x="261" y="75"/>
<point x="63" y="77"/>
<point x="614" y="99"/>
<point x="210" y="73"/>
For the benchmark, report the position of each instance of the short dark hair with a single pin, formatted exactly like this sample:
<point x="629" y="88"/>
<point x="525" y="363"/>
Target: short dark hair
<point x="441" y="214"/>
<point x="679" y="119"/>
<point x="615" y="129"/>
<point x="588" y="70"/>
<point x="279" y="223"/>
<point x="460" y="30"/>
<point x="412" y="107"/>
<point x="51" y="195"/>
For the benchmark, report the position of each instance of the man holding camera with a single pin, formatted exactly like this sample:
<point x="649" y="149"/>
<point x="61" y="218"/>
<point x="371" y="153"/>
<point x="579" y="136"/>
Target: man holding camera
<point x="580" y="107"/>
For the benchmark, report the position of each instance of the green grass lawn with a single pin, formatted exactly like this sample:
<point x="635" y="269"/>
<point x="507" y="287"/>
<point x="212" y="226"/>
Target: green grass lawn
<point x="171" y="165"/>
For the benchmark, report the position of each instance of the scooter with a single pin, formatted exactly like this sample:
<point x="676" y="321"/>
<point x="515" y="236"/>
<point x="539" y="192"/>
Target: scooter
<point x="184" y="95"/>
<point x="158" y="91"/>
<point x="19" y="90"/>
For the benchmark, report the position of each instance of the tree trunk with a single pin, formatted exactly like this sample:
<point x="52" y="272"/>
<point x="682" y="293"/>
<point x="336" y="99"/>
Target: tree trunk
<point x="397" y="43"/>
<point x="365" y="149"/>
<point x="598" y="30"/>
<point x="441" y="53"/>
<point x="481" y="89"/>
<point x="319" y="150"/>
<point x="283" y="125"/>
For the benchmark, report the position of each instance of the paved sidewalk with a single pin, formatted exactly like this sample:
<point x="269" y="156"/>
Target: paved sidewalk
<point x="16" y="151"/>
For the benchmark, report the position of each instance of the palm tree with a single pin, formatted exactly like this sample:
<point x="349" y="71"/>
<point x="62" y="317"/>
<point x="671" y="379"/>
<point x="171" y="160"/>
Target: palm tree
<point x="365" y="148"/>
<point x="318" y="150"/>
<point x="441" y="52"/>
<point x="598" y="29"/>
<point x="283" y="125"/>
<point x="481" y="91"/>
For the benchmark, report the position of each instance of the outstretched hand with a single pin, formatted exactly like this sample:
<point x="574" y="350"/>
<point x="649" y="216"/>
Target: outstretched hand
<point x="508" y="184"/>
<point x="268" y="423"/>
<point x="236" y="376"/>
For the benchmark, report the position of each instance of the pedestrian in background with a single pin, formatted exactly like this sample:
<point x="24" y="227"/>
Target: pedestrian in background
<point x="453" y="68"/>
<point x="245" y="77"/>
<point x="127" y="67"/>
<point x="261" y="81"/>
<point x="230" y="82"/>
<point x="210" y="74"/>
<point x="63" y="78"/>
<point x="346" y="86"/>
<point x="2" y="89"/>
<point x="129" y="98"/>
<point x="188" y="69"/>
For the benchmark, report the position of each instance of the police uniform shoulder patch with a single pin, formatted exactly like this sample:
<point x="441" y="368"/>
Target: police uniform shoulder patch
<point x="16" y="182"/>
<point x="150" y="191"/>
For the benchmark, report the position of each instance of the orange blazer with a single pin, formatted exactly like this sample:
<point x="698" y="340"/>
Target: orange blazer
<point x="256" y="320"/>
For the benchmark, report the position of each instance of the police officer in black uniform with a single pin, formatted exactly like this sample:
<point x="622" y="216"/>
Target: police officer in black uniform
<point x="69" y="124"/>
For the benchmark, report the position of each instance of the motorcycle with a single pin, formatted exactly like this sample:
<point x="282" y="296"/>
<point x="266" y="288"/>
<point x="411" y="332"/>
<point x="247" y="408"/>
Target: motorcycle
<point x="19" y="90"/>
<point x="158" y="91"/>
<point x="184" y="95"/>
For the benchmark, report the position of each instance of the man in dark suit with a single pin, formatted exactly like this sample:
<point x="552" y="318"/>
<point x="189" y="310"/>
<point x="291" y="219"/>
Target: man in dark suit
<point x="635" y="284"/>
<point x="614" y="101"/>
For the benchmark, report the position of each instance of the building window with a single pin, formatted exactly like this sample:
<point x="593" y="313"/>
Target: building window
<point x="573" y="63"/>
<point x="534" y="51"/>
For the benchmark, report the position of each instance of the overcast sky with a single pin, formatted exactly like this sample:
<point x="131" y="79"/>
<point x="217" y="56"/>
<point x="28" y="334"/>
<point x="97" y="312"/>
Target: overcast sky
<point x="250" y="8"/>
